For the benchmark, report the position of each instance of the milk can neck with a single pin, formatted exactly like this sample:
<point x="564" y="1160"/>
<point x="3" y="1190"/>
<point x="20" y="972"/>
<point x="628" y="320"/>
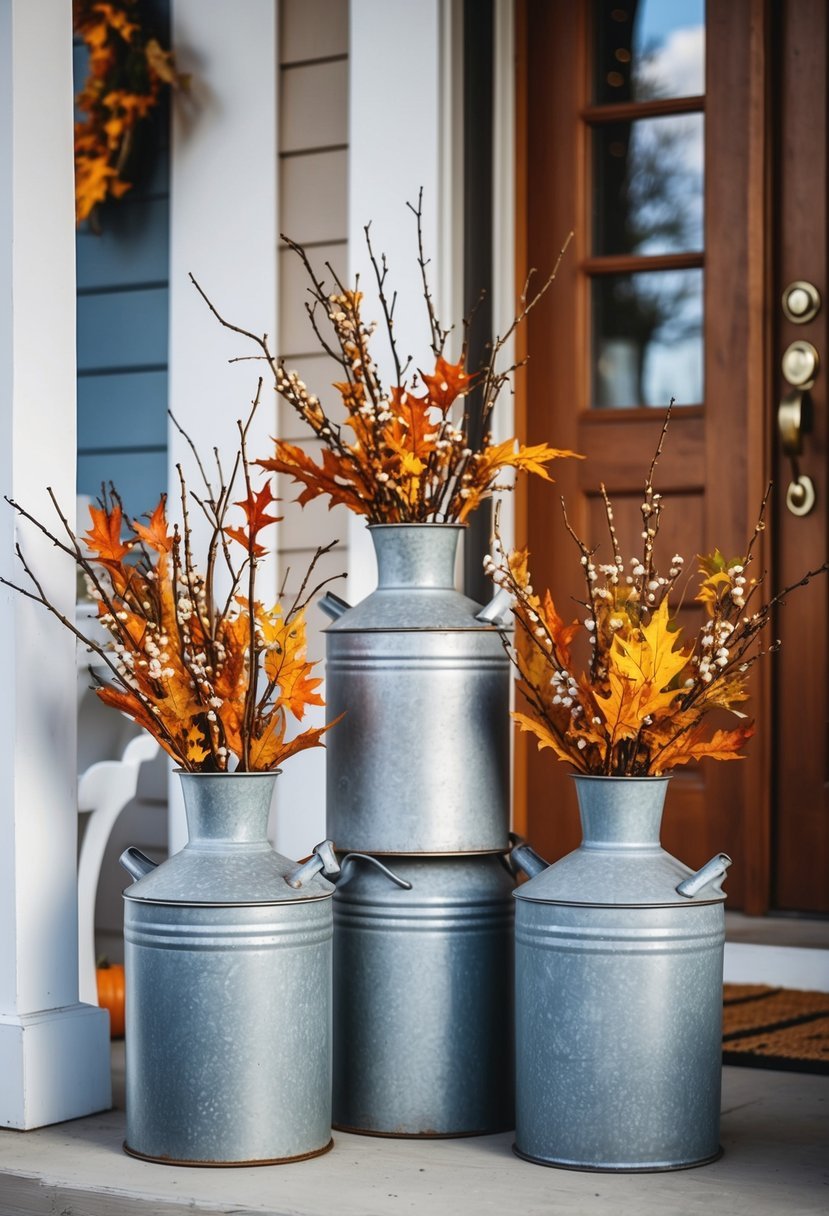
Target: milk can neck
<point x="415" y="555"/>
<point x="227" y="808"/>
<point x="621" y="812"/>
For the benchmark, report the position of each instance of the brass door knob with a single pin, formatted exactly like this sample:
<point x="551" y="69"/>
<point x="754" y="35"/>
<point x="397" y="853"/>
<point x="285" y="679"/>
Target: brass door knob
<point x="800" y="364"/>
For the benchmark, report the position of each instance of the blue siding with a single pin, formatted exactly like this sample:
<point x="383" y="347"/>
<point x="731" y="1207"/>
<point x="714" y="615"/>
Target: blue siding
<point x="120" y="411"/>
<point x="139" y="477"/>
<point x="122" y="339"/>
<point x="123" y="328"/>
<point x="132" y="249"/>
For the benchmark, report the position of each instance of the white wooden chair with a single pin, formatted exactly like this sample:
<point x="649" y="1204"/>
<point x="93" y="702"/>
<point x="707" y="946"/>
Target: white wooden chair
<point x="104" y="789"/>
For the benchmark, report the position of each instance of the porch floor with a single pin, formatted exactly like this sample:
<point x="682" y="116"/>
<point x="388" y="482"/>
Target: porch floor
<point x="774" y="1132"/>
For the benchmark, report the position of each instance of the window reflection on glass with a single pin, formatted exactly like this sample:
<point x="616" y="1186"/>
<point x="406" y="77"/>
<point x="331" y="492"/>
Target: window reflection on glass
<point x="649" y="49"/>
<point x="648" y="185"/>
<point x="647" y="338"/>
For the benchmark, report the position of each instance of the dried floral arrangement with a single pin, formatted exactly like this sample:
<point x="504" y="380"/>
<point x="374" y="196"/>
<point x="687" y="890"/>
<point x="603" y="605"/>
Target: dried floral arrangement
<point x="409" y="457"/>
<point x="128" y="71"/>
<point x="215" y="678"/>
<point x="640" y="707"/>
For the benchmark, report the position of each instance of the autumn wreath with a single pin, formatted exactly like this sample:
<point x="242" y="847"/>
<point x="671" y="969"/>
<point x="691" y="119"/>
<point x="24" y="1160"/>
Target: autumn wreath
<point x="127" y="74"/>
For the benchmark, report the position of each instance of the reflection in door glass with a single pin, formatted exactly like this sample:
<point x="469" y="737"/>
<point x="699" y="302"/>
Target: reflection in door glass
<point x="648" y="190"/>
<point x="647" y="338"/>
<point x="647" y="49"/>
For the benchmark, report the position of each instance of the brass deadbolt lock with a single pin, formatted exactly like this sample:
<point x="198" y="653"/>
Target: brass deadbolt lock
<point x="801" y="302"/>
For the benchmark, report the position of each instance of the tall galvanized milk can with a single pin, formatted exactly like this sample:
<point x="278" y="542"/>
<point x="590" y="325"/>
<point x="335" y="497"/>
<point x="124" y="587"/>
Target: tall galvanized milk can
<point x="619" y="964"/>
<point x="420" y="761"/>
<point x="423" y="958"/>
<point x="228" y="977"/>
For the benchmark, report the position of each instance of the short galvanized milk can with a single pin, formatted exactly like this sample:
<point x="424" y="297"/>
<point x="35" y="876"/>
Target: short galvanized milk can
<point x="421" y="674"/>
<point x="228" y="976"/>
<point x="423" y="997"/>
<point x="619" y="965"/>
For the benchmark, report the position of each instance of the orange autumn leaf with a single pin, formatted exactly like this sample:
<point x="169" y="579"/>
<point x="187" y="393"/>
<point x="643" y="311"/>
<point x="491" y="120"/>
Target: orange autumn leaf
<point x="255" y="507"/>
<point x="335" y="478"/>
<point x="104" y="537"/>
<point x="155" y="534"/>
<point x="271" y="748"/>
<point x="722" y="745"/>
<point x="561" y="633"/>
<point x="286" y="662"/>
<point x="412" y="426"/>
<point x="449" y="382"/>
<point x="131" y="705"/>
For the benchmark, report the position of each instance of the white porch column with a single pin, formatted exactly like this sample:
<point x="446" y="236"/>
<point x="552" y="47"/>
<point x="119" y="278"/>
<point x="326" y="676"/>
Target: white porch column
<point x="223" y="229"/>
<point x="402" y="138"/>
<point x="54" y="1052"/>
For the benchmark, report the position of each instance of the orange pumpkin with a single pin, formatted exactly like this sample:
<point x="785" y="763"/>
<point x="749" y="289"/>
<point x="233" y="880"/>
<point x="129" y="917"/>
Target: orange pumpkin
<point x="110" y="978"/>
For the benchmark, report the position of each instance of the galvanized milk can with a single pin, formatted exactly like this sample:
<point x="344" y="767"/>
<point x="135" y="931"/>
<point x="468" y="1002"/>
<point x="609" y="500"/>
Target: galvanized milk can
<point x="420" y="762"/>
<point x="618" y="998"/>
<point x="423" y="999"/>
<point x="228" y="973"/>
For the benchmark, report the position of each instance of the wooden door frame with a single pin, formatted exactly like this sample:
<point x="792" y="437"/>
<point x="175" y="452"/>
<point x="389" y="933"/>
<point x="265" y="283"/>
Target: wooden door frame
<point x="738" y="219"/>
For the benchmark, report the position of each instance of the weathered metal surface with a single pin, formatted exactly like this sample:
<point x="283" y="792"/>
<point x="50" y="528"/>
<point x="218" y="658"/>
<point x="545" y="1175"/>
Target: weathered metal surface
<point x="228" y="1024"/>
<point x="422" y="997"/>
<point x="424" y="686"/>
<point x="619" y="995"/>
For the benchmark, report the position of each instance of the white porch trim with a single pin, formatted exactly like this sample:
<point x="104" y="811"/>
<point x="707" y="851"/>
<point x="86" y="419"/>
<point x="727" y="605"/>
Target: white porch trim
<point x="54" y="1051"/>
<point x="224" y="228"/>
<point x="404" y="132"/>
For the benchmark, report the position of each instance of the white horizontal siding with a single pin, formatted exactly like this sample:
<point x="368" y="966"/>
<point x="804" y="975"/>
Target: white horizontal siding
<point x="313" y="210"/>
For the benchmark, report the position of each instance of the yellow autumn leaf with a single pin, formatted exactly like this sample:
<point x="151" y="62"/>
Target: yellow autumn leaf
<point x="650" y="658"/>
<point x="267" y="750"/>
<point x="545" y="737"/>
<point x="722" y="745"/>
<point x="621" y="707"/>
<point x="195" y="751"/>
<point x="712" y="590"/>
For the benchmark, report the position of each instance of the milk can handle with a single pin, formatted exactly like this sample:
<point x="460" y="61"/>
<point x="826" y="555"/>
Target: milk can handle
<point x="323" y="858"/>
<point x="351" y="857"/>
<point x="710" y="876"/>
<point x="522" y="859"/>
<point x="332" y="605"/>
<point x="497" y="610"/>
<point x="136" y="863"/>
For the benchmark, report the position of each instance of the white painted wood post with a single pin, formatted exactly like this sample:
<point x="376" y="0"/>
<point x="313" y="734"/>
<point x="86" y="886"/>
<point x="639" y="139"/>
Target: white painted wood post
<point x="399" y="140"/>
<point x="54" y="1051"/>
<point x="223" y="228"/>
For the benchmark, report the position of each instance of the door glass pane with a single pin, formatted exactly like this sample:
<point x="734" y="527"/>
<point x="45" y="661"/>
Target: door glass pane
<point x="648" y="185"/>
<point x="647" y="49"/>
<point x="647" y="338"/>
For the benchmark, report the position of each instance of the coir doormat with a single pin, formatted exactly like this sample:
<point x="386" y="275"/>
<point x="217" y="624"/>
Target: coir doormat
<point x="776" y="1028"/>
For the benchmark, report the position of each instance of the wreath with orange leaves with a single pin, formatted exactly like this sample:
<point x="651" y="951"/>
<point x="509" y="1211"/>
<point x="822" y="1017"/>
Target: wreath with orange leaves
<point x="128" y="73"/>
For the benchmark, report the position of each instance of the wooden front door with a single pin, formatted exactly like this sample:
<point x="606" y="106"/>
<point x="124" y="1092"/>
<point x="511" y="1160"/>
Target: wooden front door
<point x="685" y="145"/>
